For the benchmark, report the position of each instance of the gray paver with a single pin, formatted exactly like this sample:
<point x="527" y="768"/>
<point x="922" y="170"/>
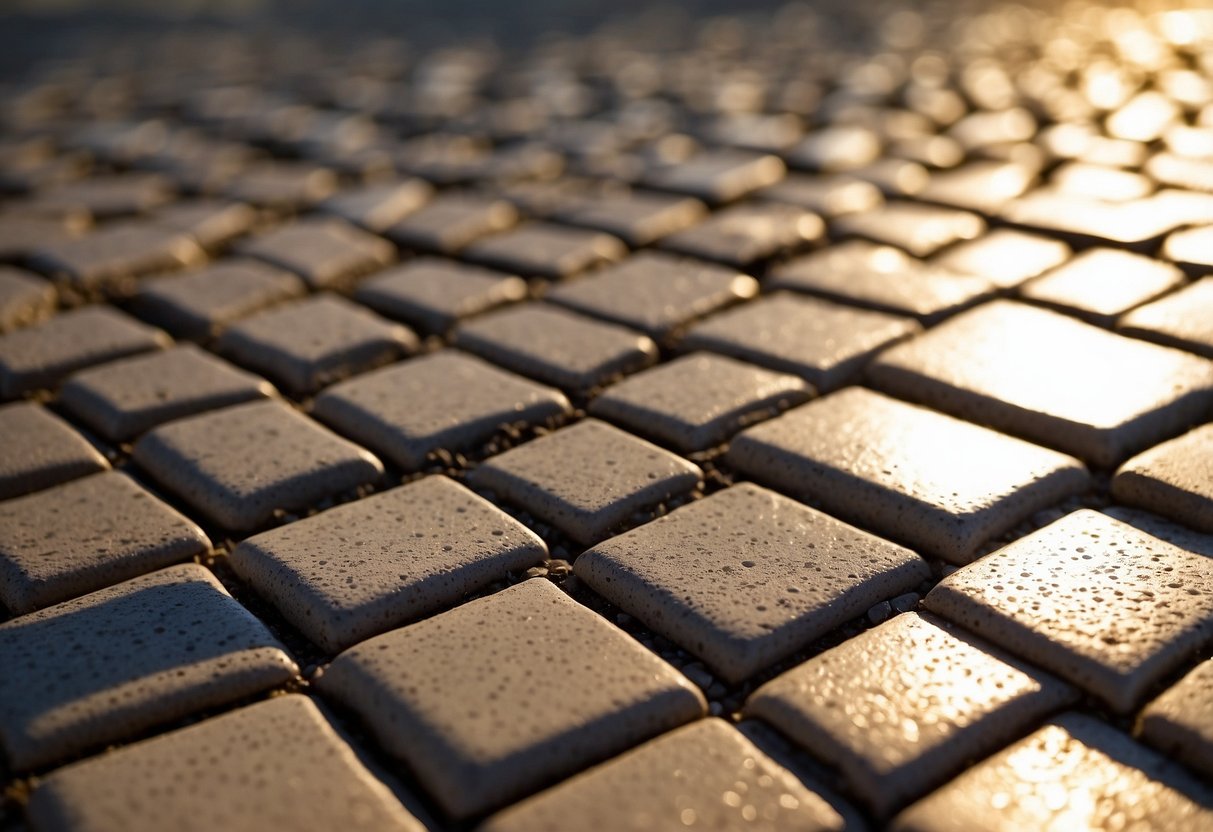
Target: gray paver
<point x="943" y="485"/>
<point x="451" y="221"/>
<point x="115" y="252"/>
<point x="357" y="570"/>
<point x="1005" y="257"/>
<point x="379" y="206"/>
<point x="1180" y="722"/>
<point x="745" y="577"/>
<point x="324" y="252"/>
<point x="82" y="684"/>
<point x="903" y="707"/>
<point x="1100" y="284"/>
<point x="41" y="450"/>
<point x="636" y="217"/>
<point x="743" y="235"/>
<point x="1183" y="320"/>
<point x="1174" y="479"/>
<point x="830" y="196"/>
<point x="445" y="401"/>
<point x="554" y="252"/>
<point x="283" y="767"/>
<point x="471" y="730"/>
<point x="105" y="196"/>
<point x="435" y="294"/>
<point x="720" y="175"/>
<point x="282" y="186"/>
<point x="211" y="222"/>
<point x="1094" y="600"/>
<point x="240" y="465"/>
<point x="588" y="480"/>
<point x="25" y="298"/>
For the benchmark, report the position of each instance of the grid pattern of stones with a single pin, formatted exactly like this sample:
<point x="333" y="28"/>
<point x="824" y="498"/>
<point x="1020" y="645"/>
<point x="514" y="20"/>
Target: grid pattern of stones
<point x="232" y="133"/>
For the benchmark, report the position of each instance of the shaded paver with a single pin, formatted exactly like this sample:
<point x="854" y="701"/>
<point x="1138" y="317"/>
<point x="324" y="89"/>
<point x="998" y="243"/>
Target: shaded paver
<point x="379" y="206"/>
<point x="451" y="221"/>
<point x="82" y="685"/>
<point x="283" y="766"/>
<point x="744" y="235"/>
<point x="41" y="450"/>
<point x="1174" y="479"/>
<point x="551" y="251"/>
<point x="720" y="175"/>
<point x="746" y="577"/>
<point x="903" y="707"/>
<point x="1102" y="283"/>
<point x="116" y="252"/>
<point x="360" y="569"/>
<point x="638" y="218"/>
<point x="1183" y="319"/>
<point x="879" y="463"/>
<point x="324" y="252"/>
<point x="435" y="294"/>
<point x="25" y="298"/>
<point x="240" y="465"/>
<point x="1090" y="598"/>
<point x="212" y="223"/>
<point x="469" y="729"/>
<point x="1180" y="722"/>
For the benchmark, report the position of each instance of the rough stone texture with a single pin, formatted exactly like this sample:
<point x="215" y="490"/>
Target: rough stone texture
<point x="938" y="483"/>
<point x="1174" y="479"/>
<point x="42" y="355"/>
<point x="280" y="766"/>
<point x="1074" y="773"/>
<point x="126" y="398"/>
<point x="240" y="465"/>
<point x="25" y="298"/>
<point x="588" y="480"/>
<point x="451" y="221"/>
<point x="920" y="230"/>
<point x="436" y="294"/>
<point x="905" y="706"/>
<point x="475" y="731"/>
<point x="1051" y="379"/>
<point x="552" y="251"/>
<point x="824" y="343"/>
<point x="1102" y="283"/>
<point x="1180" y="722"/>
<point x="41" y="450"/>
<point x="1090" y="598"/>
<point x="636" y="217"/>
<point x="379" y="206"/>
<point x="211" y="222"/>
<point x="114" y="252"/>
<point x="444" y="401"/>
<point x="698" y="401"/>
<point x="1005" y="257"/>
<point x="746" y="577"/>
<point x="1183" y="319"/>
<point x="86" y="535"/>
<point x="324" y="252"/>
<point x="744" y="235"/>
<point x="360" y="569"/>
<point x="125" y="659"/>
<point x="704" y="775"/>
<point x="720" y="175"/>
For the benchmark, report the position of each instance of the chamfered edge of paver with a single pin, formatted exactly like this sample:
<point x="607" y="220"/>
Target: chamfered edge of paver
<point x="1171" y="723"/>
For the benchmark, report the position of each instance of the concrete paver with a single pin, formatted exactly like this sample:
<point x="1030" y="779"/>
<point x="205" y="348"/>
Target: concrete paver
<point x="1174" y="479"/>
<point x="41" y="450"/>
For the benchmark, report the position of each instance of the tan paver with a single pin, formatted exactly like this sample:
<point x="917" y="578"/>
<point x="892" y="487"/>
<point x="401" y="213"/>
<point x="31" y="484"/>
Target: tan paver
<point x="1102" y="283"/>
<point x="1192" y="249"/>
<point x="278" y="765"/>
<point x="435" y="294"/>
<point x="587" y="480"/>
<point x="211" y="222"/>
<point x="461" y="697"/>
<point x="1005" y="257"/>
<point x="638" y="218"/>
<point x="25" y="298"/>
<point x="824" y="343"/>
<point x="552" y="251"/>
<point x="240" y="465"/>
<point x="704" y="775"/>
<point x="1090" y="598"/>
<point x="123" y="399"/>
<point x="1180" y="722"/>
<point x="1183" y="319"/>
<point x="324" y="252"/>
<point x="360" y="569"/>
<point x="444" y="401"/>
<point x="940" y="484"/>
<point x="697" y="401"/>
<point x="40" y="450"/>
<point x="1051" y="379"/>
<point x="119" y="661"/>
<point x="919" y="229"/>
<point x="1174" y="479"/>
<point x="903" y="707"/>
<point x="746" y="577"/>
<point x="1074" y="773"/>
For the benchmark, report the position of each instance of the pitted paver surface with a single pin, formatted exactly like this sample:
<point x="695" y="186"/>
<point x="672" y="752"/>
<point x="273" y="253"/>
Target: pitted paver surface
<point x="1174" y="479"/>
<point x="1180" y="721"/>
<point x="436" y="294"/>
<point x="41" y="450"/>
<point x="551" y="251"/>
<point x="1183" y="320"/>
<point x="324" y="252"/>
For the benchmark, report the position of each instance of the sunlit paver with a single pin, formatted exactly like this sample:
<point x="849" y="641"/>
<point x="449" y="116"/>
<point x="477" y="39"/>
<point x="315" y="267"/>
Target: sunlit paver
<point x="124" y="659"/>
<point x="1101" y="284"/>
<point x="719" y="176"/>
<point x="744" y="235"/>
<point x="360" y="569"/>
<point x="881" y="464"/>
<point x="324" y="252"/>
<point x="1191" y="248"/>
<point x="903" y="707"/>
<point x="1174" y="479"/>
<point x="745" y="577"/>
<point x="920" y="230"/>
<point x="435" y="294"/>
<point x="116" y="252"/>
<point x="41" y="450"/>
<point x="636" y="217"/>
<point x="474" y="730"/>
<point x="1051" y="379"/>
<point x="1074" y="773"/>
<point x="1183" y="319"/>
<point x="544" y="250"/>
<point x="1180" y="722"/>
<point x="1090" y="598"/>
<point x="283" y="767"/>
<point x="706" y="774"/>
<point x="1005" y="257"/>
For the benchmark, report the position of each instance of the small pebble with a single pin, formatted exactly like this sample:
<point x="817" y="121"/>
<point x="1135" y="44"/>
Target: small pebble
<point x="698" y="675"/>
<point x="880" y="612"/>
<point x="535" y="572"/>
<point x="906" y="602"/>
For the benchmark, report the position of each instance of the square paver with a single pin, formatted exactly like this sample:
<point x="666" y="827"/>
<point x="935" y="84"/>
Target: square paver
<point x="41" y="356"/>
<point x="240" y="465"/>
<point x="324" y="252"/>
<point x="25" y="298"/>
<point x="720" y="175"/>
<point x="551" y="251"/>
<point x="282" y="187"/>
<point x="829" y="196"/>
<point x="436" y="294"/>
<point x="824" y="343"/>
<point x="451" y="221"/>
<point x="920" y="230"/>
<point x="125" y="398"/>
<point x="746" y="577"/>
<point x="310" y="343"/>
<point x="1174" y="479"/>
<point x="379" y="206"/>
<point x="556" y="347"/>
<point x="110" y="254"/>
<point x="638" y="218"/>
<point x="86" y="535"/>
<point x="706" y="774"/>
<point x="1183" y="320"/>
<point x="1074" y="773"/>
<point x="1102" y="283"/>
<point x="471" y="730"/>
<point x="105" y="196"/>
<point x="942" y="485"/>
<point x="587" y="480"/>
<point x="211" y="222"/>
<point x="655" y="293"/>
<point x="903" y="707"/>
<point x="1192" y="249"/>
<point x="1180" y="722"/>
<point x="1094" y="600"/>
<point x="360" y="569"/>
<point x="284" y="767"/>
<point x="41" y="450"/>
<point x="743" y="236"/>
<point x="201" y="304"/>
<point x="119" y="661"/>
<point x="698" y="401"/>
<point x="1051" y="379"/>
<point x="444" y="401"/>
<point x="1005" y="257"/>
